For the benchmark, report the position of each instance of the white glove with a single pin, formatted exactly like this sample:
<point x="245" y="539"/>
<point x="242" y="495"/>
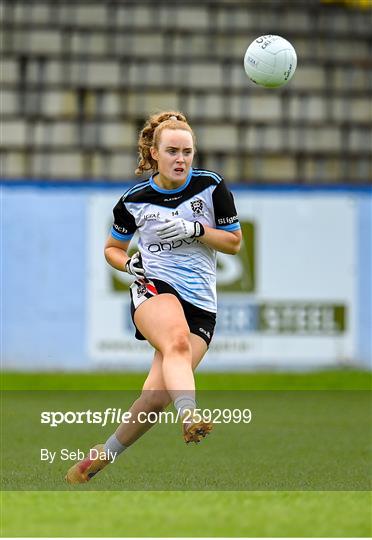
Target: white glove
<point x="134" y="265"/>
<point x="178" y="229"/>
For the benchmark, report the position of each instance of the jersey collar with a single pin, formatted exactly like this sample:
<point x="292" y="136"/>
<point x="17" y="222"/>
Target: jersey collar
<point x="177" y="190"/>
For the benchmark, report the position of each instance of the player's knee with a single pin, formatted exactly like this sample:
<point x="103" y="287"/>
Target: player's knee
<point x="179" y="343"/>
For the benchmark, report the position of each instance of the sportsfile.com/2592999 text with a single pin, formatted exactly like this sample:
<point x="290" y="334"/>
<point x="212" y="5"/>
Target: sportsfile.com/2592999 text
<point x="117" y="416"/>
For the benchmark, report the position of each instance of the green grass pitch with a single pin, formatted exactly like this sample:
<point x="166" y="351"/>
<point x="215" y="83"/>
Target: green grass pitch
<point x="178" y="512"/>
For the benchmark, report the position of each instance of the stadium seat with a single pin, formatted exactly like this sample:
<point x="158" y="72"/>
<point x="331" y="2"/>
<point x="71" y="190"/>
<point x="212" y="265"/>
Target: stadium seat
<point x="324" y="139"/>
<point x="203" y="74"/>
<point x="353" y="110"/>
<point x="360" y="139"/>
<point x="9" y="71"/>
<point x="8" y="103"/>
<point x="92" y="44"/>
<point x="157" y="101"/>
<point x="191" y="16"/>
<point x="264" y="107"/>
<point x="218" y="137"/>
<point x="59" y="103"/>
<point x="307" y="107"/>
<point x="145" y="45"/>
<point x="322" y="169"/>
<point x="14" y="164"/>
<point x="117" y="134"/>
<point x="120" y="162"/>
<point x="111" y="104"/>
<point x="310" y="78"/>
<point x="275" y="169"/>
<point x="65" y="165"/>
<point x="90" y="15"/>
<point x="14" y="133"/>
<point x="102" y="73"/>
<point x="40" y="42"/>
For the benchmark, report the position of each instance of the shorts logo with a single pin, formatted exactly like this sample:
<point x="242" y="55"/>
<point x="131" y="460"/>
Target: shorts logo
<point x="205" y="332"/>
<point x="197" y="207"/>
<point x="141" y="290"/>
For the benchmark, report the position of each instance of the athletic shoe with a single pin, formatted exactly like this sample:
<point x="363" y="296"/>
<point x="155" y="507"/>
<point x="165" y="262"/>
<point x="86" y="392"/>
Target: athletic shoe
<point x="195" y="431"/>
<point x="84" y="470"/>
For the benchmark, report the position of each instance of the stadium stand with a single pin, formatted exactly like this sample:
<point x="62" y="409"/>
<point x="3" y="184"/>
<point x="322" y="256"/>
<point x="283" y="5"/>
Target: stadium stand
<point x="79" y="78"/>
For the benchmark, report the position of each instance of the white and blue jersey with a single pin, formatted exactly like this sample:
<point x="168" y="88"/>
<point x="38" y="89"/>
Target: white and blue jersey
<point x="187" y="265"/>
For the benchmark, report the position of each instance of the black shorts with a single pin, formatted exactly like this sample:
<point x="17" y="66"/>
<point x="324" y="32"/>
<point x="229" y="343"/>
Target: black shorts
<point x="200" y="321"/>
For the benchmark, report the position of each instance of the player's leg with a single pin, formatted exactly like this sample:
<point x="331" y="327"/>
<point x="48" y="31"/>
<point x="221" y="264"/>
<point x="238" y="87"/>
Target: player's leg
<point x="161" y="320"/>
<point x="196" y="428"/>
<point x="154" y="397"/>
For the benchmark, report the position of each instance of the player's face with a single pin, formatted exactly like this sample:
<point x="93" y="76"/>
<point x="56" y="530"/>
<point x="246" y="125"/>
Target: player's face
<point x="174" y="155"/>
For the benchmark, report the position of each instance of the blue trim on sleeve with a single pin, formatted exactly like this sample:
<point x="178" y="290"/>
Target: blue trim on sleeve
<point x="122" y="237"/>
<point x="232" y="227"/>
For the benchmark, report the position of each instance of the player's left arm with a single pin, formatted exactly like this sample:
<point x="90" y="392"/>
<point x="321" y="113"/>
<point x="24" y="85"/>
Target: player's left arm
<point x="225" y="241"/>
<point x="226" y="236"/>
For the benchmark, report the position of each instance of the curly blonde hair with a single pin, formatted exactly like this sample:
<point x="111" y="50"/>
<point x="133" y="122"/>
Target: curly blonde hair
<point x="150" y="136"/>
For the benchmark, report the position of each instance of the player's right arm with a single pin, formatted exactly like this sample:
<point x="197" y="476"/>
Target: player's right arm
<point x="117" y="243"/>
<point x="117" y="257"/>
<point x="116" y="253"/>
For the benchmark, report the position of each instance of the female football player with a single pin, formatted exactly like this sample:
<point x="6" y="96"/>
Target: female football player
<point x="183" y="217"/>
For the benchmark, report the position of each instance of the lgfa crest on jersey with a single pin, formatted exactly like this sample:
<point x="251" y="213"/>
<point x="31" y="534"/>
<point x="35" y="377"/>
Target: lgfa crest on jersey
<point x="197" y="207"/>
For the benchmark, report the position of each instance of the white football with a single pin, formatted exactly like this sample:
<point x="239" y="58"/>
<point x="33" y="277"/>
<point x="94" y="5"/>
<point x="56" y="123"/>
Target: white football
<point x="270" y="61"/>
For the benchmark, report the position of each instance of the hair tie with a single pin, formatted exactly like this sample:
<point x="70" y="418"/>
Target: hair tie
<point x="173" y="117"/>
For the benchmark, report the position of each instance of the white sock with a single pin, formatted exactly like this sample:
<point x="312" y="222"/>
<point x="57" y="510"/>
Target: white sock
<point x="113" y="447"/>
<point x="184" y="403"/>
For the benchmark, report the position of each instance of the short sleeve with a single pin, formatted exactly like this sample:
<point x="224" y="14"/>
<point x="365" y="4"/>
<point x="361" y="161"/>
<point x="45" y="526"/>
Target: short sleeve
<point x="124" y="225"/>
<point x="225" y="214"/>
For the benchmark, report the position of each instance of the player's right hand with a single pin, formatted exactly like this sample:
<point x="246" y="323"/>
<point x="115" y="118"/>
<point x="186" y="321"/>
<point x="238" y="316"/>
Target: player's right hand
<point x="134" y="266"/>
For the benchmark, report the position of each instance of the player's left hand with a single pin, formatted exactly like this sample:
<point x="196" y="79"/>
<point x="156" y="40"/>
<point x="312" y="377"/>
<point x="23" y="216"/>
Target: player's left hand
<point x="179" y="229"/>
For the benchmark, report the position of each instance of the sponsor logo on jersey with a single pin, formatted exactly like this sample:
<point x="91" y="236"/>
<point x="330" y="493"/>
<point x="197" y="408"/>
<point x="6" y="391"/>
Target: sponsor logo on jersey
<point x="169" y="246"/>
<point x="153" y="216"/>
<point x="197" y="207"/>
<point x="227" y="220"/>
<point x="172" y="198"/>
<point x="122" y="230"/>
